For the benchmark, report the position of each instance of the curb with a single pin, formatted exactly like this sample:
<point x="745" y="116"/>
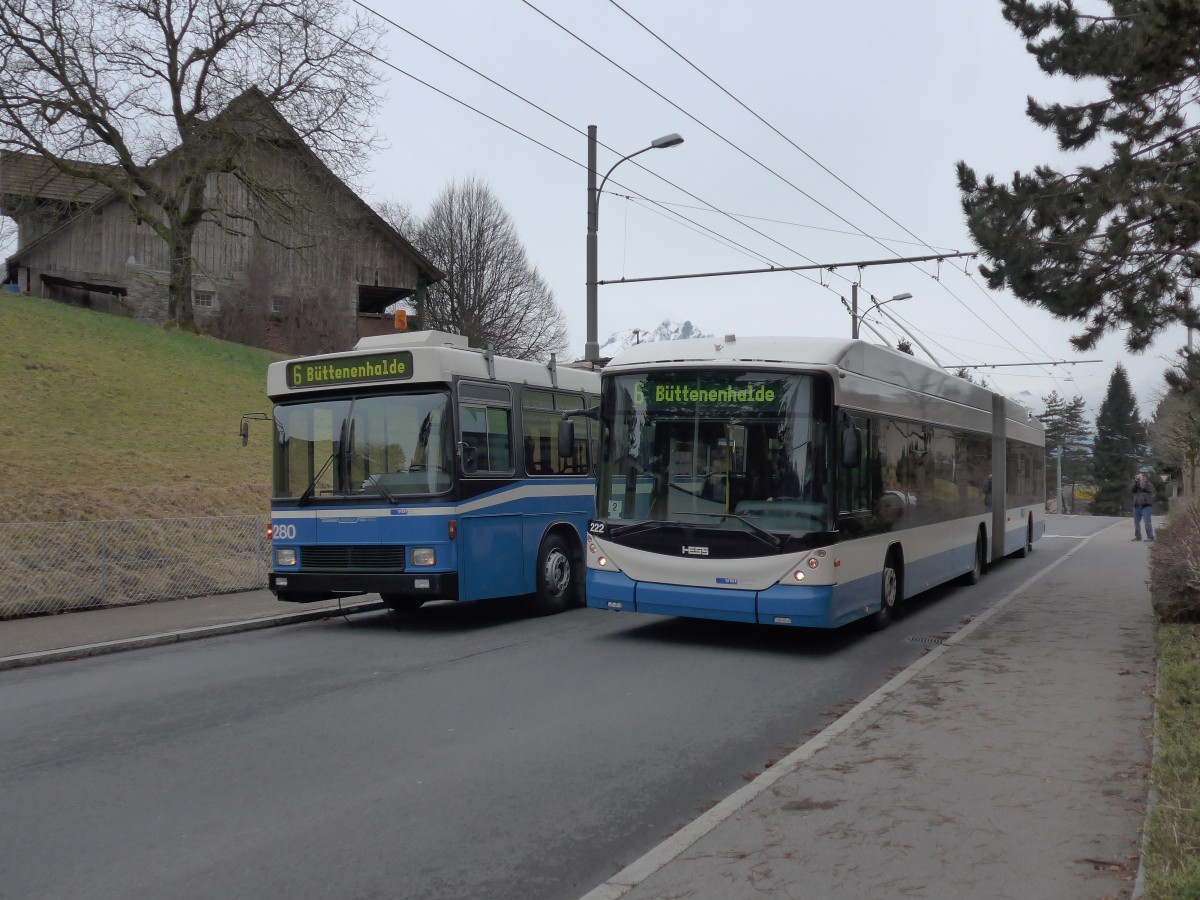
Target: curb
<point x="1139" y="882"/>
<point x="175" y="637"/>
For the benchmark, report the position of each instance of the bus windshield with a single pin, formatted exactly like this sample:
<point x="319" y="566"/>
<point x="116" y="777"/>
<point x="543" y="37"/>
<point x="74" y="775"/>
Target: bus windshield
<point x="737" y="450"/>
<point x="377" y="447"/>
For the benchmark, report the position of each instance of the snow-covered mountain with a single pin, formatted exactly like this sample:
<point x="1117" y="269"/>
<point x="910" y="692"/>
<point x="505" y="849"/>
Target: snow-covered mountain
<point x="664" y="331"/>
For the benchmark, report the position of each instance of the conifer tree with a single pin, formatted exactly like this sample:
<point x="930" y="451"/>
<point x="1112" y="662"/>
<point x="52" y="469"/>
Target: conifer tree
<point x="1120" y="442"/>
<point x="1066" y="428"/>
<point x="1115" y="245"/>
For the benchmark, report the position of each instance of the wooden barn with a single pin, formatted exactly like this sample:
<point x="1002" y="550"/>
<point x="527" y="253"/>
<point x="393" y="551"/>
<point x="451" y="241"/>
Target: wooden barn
<point x="288" y="256"/>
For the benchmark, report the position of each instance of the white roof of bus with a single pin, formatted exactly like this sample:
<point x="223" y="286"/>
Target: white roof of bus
<point x="440" y="357"/>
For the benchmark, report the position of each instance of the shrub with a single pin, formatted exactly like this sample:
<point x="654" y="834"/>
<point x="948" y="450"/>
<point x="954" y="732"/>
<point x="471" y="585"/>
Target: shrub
<point x="1175" y="568"/>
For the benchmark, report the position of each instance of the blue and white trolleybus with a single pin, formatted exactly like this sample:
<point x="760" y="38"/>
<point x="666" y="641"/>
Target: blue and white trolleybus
<point x="421" y="469"/>
<point x="801" y="481"/>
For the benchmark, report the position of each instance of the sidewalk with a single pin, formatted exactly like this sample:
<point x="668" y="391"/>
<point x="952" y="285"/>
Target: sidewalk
<point x="41" y="639"/>
<point x="1010" y="761"/>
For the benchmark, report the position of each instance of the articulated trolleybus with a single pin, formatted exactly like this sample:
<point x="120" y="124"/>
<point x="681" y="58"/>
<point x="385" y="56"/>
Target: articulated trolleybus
<point x="420" y="469"/>
<point x="801" y="481"/>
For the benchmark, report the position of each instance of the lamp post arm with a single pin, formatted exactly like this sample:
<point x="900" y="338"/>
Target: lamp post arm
<point x="604" y="180"/>
<point x="591" y="349"/>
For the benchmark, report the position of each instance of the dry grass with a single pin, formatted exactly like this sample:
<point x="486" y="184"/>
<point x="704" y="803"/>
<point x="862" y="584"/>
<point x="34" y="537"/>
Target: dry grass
<point x="1172" y="861"/>
<point x="107" y="418"/>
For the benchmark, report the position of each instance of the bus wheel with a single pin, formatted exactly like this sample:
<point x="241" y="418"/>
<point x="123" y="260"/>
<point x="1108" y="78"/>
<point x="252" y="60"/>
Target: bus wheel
<point x="1028" y="545"/>
<point x="889" y="596"/>
<point x="555" y="577"/>
<point x="401" y="603"/>
<point x="976" y="573"/>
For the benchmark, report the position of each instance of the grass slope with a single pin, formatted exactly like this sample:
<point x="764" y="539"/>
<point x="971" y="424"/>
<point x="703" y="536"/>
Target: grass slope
<point x="1172" y="863"/>
<point x="107" y="418"/>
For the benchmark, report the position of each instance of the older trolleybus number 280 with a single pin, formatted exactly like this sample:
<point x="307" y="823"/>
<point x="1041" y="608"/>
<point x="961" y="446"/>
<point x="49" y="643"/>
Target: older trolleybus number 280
<point x="800" y="481"/>
<point x="421" y="469"/>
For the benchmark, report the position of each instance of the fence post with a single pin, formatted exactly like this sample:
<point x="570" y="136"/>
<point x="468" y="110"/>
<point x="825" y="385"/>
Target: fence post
<point x="103" y="560"/>
<point x="258" y="533"/>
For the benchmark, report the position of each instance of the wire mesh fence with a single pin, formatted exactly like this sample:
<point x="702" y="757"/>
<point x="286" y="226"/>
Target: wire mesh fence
<point x="48" y="567"/>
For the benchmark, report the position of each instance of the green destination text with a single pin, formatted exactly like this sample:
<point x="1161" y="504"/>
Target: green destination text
<point x="378" y="367"/>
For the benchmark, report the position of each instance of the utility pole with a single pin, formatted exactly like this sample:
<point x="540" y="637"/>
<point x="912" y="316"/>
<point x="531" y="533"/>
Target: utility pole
<point x="591" y="348"/>
<point x="1059" y="498"/>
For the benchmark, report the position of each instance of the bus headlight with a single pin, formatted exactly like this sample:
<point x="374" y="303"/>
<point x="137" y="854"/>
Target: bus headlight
<point x="423" y="556"/>
<point x="285" y="556"/>
<point x="603" y="563"/>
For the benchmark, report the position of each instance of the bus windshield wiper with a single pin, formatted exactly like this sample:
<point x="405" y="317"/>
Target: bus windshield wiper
<point x="633" y="528"/>
<point x="767" y="537"/>
<point x="373" y="480"/>
<point x="308" y="491"/>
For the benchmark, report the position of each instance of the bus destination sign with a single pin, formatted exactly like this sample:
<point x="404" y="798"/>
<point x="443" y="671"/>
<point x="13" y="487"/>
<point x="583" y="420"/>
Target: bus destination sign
<point x="760" y="394"/>
<point x="350" y="370"/>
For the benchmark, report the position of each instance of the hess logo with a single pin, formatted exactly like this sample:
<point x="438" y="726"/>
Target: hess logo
<point x="694" y="551"/>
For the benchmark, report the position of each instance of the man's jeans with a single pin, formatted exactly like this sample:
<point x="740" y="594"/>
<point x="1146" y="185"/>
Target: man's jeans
<point x="1142" y="514"/>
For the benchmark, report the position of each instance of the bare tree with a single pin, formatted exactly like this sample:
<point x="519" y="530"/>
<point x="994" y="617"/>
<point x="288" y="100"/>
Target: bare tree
<point x="8" y="237"/>
<point x="1175" y="436"/>
<point x="490" y="293"/>
<point x="166" y="93"/>
<point x="399" y="215"/>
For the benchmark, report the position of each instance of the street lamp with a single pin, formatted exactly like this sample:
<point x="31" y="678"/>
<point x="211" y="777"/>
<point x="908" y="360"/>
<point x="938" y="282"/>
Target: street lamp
<point x="855" y="319"/>
<point x="883" y="312"/>
<point x="591" y="350"/>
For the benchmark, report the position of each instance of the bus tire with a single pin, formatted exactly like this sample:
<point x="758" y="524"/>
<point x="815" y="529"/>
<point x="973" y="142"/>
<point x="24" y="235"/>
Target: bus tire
<point x="1027" y="546"/>
<point x="980" y="565"/>
<point x="889" y="595"/>
<point x="556" y="577"/>
<point x="401" y="603"/>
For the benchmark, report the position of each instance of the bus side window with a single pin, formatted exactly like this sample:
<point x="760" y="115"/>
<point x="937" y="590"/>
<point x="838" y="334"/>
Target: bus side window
<point x="486" y="431"/>
<point x="854" y="494"/>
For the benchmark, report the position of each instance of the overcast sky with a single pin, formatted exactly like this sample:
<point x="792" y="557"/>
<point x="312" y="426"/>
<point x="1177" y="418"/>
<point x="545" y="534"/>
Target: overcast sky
<point x="867" y="108"/>
<point x="884" y="96"/>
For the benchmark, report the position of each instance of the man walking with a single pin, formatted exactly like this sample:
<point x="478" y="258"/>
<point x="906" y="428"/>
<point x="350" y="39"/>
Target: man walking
<point x="1143" y="503"/>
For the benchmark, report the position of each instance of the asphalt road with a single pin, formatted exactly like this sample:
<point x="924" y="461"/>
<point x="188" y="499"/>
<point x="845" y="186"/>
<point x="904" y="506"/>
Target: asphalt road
<point x="466" y="751"/>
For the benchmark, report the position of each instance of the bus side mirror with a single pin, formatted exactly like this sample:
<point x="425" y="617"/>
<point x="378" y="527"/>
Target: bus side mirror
<point x="470" y="459"/>
<point x="851" y="447"/>
<point x="566" y="438"/>
<point x="244" y="428"/>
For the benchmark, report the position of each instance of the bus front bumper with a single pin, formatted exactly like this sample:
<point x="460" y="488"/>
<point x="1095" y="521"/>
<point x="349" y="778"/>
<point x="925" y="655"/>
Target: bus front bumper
<point x="309" y="587"/>
<point x="796" y="605"/>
